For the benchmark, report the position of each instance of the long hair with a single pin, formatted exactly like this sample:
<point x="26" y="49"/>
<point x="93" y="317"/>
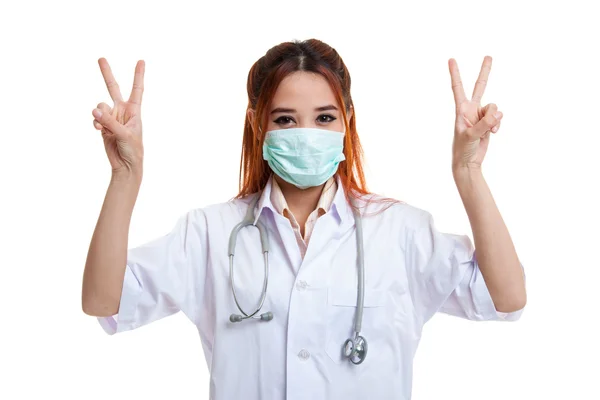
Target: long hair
<point x="263" y="80"/>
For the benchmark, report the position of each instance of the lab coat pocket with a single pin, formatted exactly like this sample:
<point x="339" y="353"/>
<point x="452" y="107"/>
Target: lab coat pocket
<point x="341" y="314"/>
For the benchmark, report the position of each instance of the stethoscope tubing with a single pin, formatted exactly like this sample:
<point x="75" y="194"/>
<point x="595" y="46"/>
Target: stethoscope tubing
<point x="358" y="346"/>
<point x="264" y="240"/>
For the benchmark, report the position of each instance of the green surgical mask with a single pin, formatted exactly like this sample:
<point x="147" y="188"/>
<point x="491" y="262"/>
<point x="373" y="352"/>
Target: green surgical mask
<point x="304" y="157"/>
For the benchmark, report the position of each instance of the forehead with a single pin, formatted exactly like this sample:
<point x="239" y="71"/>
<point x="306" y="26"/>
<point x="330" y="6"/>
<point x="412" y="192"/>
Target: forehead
<point x="303" y="88"/>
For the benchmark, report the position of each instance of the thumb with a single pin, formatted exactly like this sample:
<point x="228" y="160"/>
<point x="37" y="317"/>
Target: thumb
<point x="490" y="119"/>
<point x="103" y="116"/>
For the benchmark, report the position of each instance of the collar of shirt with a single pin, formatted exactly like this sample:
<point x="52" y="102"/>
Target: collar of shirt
<point x="323" y="206"/>
<point x="339" y="206"/>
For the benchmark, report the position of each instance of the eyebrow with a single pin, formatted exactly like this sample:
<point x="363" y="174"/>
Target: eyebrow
<point x="291" y="110"/>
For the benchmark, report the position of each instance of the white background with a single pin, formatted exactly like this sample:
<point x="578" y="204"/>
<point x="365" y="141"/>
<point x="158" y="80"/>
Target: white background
<point x="542" y="167"/>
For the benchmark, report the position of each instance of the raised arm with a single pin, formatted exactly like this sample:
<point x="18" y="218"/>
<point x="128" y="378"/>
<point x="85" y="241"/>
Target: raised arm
<point x="121" y="129"/>
<point x="496" y="254"/>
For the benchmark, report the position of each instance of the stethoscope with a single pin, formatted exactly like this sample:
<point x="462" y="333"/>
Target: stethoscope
<point x="355" y="349"/>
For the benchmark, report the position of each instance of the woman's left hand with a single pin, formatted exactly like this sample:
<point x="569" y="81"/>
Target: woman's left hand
<point x="473" y="122"/>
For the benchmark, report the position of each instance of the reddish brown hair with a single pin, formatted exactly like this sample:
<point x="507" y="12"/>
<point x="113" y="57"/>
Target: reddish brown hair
<point x="263" y="80"/>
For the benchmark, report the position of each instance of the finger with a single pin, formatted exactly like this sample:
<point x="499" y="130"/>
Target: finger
<point x="491" y="107"/>
<point x="138" y="83"/>
<point x="467" y="122"/>
<point x="457" y="86"/>
<point x="97" y="125"/>
<point x="497" y="127"/>
<point x="490" y="119"/>
<point x="105" y="108"/>
<point x="108" y="121"/>
<point x="481" y="83"/>
<point x="109" y="79"/>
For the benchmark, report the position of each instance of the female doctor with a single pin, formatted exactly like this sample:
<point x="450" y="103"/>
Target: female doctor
<point x="305" y="285"/>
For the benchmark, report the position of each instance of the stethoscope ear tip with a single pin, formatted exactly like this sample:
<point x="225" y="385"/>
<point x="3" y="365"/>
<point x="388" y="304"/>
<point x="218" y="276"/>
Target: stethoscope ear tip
<point x="266" y="316"/>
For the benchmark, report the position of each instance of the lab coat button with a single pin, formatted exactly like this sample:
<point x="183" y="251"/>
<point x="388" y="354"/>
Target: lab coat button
<point x="301" y="285"/>
<point x="304" y="355"/>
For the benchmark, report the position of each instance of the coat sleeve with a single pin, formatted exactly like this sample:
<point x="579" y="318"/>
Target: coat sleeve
<point x="163" y="276"/>
<point x="444" y="275"/>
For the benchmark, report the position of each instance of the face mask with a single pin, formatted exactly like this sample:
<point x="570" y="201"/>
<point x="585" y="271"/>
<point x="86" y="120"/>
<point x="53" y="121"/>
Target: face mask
<point x="304" y="157"/>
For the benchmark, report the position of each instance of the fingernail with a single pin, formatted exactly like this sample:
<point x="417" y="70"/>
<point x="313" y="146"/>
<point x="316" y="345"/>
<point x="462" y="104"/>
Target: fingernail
<point x="495" y="129"/>
<point x="497" y="114"/>
<point x="97" y="113"/>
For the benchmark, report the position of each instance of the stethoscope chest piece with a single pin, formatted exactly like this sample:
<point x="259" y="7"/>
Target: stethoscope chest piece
<point x="356" y="350"/>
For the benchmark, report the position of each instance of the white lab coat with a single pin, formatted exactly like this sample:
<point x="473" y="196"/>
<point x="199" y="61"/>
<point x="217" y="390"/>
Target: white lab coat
<point x="412" y="271"/>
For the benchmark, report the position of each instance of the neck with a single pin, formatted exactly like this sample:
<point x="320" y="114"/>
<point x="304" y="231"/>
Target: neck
<point x="300" y="201"/>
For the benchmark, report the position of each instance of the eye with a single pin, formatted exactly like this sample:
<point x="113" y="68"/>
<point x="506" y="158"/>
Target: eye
<point x="323" y="118"/>
<point x="331" y="118"/>
<point x="283" y="120"/>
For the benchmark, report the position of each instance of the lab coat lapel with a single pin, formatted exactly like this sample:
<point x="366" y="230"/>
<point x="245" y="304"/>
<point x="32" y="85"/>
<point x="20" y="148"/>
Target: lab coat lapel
<point x="278" y="227"/>
<point x="331" y="226"/>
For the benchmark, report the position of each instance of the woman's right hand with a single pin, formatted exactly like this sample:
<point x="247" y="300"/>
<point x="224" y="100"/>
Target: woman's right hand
<point x="121" y="125"/>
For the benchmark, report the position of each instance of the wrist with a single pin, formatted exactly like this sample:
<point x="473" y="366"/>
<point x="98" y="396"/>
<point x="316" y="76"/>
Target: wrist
<point x="127" y="176"/>
<point x="471" y="169"/>
<point x="466" y="176"/>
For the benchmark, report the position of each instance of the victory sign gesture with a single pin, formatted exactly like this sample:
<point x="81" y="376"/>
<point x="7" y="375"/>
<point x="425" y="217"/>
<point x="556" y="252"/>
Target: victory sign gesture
<point x="121" y="125"/>
<point x="473" y="122"/>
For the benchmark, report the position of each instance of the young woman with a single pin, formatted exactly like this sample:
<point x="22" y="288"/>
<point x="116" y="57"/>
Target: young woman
<point x="328" y="297"/>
